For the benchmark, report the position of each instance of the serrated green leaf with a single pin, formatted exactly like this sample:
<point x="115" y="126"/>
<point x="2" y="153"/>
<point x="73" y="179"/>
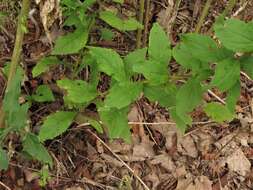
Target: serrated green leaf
<point x="182" y="120"/>
<point x="109" y="62"/>
<point x="218" y="112"/>
<point x="106" y="34"/>
<point x="96" y="125"/>
<point x="195" y="52"/>
<point x="44" y="64"/>
<point x="4" y="160"/>
<point x="116" y="122"/>
<point x="155" y="72"/>
<point x="13" y="92"/>
<point x="159" y="45"/>
<point x="188" y="97"/>
<point x="123" y="25"/>
<point x="165" y="95"/>
<point x="72" y="42"/>
<point x="202" y="47"/>
<point x="227" y="73"/>
<point x="43" y="94"/>
<point x="78" y="91"/>
<point x="184" y="57"/>
<point x="122" y="94"/>
<point x="56" y="124"/>
<point x="119" y="1"/>
<point x="133" y="58"/>
<point x="16" y="115"/>
<point x="19" y="117"/>
<point x="232" y="97"/>
<point x="235" y="35"/>
<point x="247" y="65"/>
<point x="33" y="147"/>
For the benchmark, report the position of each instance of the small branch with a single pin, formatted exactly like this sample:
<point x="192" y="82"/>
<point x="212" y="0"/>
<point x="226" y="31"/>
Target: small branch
<point x="140" y="18"/>
<point x="146" y="21"/>
<point x="5" y="186"/>
<point x="216" y="97"/>
<point x="22" y="20"/>
<point x="241" y="9"/>
<point x="203" y="15"/>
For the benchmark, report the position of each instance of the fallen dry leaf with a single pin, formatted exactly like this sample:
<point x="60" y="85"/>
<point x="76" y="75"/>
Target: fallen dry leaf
<point x="201" y="183"/>
<point x="143" y="150"/>
<point x="187" y="147"/>
<point x="74" y="188"/>
<point x="238" y="162"/>
<point x="49" y="12"/>
<point x="165" y="161"/>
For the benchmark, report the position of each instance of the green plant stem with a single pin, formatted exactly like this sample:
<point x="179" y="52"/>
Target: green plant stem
<point x="229" y="7"/>
<point x="203" y="15"/>
<point x="139" y="31"/>
<point x="22" y="20"/>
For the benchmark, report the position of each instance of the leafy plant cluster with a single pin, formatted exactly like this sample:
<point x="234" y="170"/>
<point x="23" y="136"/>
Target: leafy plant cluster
<point x="205" y="63"/>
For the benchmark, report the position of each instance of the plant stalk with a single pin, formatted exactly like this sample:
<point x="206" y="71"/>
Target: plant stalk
<point x="229" y="7"/>
<point x="203" y="15"/>
<point x="140" y="18"/>
<point x="21" y="29"/>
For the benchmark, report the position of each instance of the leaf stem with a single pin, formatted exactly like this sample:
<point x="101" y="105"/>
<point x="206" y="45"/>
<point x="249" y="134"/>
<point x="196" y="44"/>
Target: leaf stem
<point x="203" y="15"/>
<point x="139" y="31"/>
<point x="22" y="20"/>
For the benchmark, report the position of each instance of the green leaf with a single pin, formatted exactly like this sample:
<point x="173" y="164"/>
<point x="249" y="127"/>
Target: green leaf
<point x="232" y="97"/>
<point x="133" y="58"/>
<point x="247" y="65"/>
<point x="43" y="94"/>
<point x="72" y="42"/>
<point x="11" y="98"/>
<point x="78" y="91"/>
<point x="184" y="57"/>
<point x="235" y="35"/>
<point x="16" y="115"/>
<point x="106" y="34"/>
<point x="96" y="125"/>
<point x="153" y="71"/>
<point x="197" y="50"/>
<point x="122" y="94"/>
<point x="159" y="45"/>
<point x="182" y="120"/>
<point x="123" y="25"/>
<point x="109" y="62"/>
<point x="33" y="147"/>
<point x="227" y="73"/>
<point x="218" y="112"/>
<point x="116" y="122"/>
<point x="44" y="64"/>
<point x="18" y="119"/>
<point x="56" y="124"/>
<point x="188" y="96"/>
<point x="165" y="95"/>
<point x="119" y="1"/>
<point x="4" y="160"/>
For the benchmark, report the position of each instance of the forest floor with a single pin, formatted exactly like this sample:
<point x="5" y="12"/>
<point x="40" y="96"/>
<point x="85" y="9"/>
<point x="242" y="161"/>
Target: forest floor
<point x="209" y="156"/>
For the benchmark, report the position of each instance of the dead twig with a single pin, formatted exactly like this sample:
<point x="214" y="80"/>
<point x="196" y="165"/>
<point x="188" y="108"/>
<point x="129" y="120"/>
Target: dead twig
<point x="216" y="97"/>
<point x="5" y="186"/>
